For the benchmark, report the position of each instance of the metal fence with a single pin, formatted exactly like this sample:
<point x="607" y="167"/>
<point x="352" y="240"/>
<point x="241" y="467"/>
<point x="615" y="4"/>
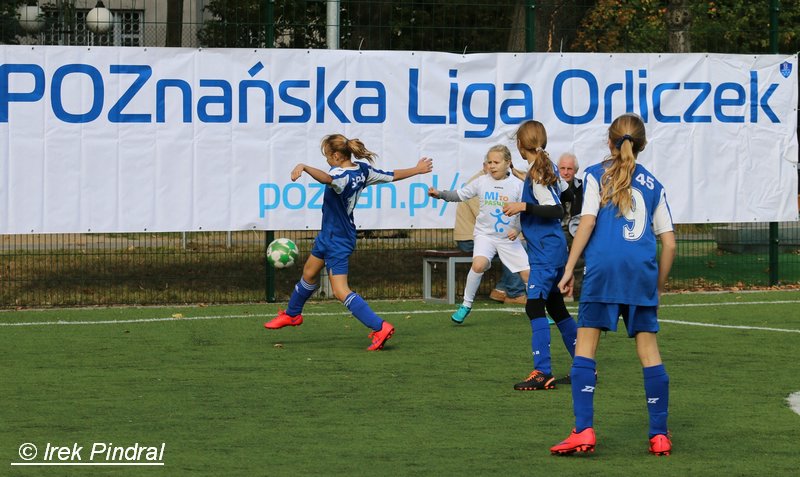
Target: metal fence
<point x="221" y="267"/>
<point x="227" y="267"/>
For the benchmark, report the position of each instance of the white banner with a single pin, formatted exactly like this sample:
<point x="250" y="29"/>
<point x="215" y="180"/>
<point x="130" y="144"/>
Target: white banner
<point x="164" y="139"/>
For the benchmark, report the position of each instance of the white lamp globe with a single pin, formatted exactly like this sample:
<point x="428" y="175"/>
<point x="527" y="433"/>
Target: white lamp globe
<point x="30" y="18"/>
<point x="99" y="19"/>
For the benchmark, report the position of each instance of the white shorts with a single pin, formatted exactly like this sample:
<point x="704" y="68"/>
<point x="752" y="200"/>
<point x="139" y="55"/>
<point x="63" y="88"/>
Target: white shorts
<point x="512" y="253"/>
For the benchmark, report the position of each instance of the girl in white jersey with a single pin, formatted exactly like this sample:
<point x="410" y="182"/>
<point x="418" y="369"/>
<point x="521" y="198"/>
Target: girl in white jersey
<point x="624" y="210"/>
<point x="495" y="233"/>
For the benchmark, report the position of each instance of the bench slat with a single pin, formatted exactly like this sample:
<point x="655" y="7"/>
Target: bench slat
<point x="446" y="253"/>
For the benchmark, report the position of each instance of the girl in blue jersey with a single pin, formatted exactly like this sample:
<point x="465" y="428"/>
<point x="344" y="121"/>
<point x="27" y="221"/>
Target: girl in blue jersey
<point x="540" y="219"/>
<point x="624" y="209"/>
<point x="337" y="238"/>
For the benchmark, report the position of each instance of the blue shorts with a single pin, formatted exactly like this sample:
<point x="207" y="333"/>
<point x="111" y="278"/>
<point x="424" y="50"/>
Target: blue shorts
<point x="606" y="315"/>
<point x="336" y="257"/>
<point x="544" y="281"/>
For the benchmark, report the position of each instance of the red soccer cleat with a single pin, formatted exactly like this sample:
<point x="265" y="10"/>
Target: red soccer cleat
<point x="660" y="444"/>
<point x="379" y="338"/>
<point x="583" y="441"/>
<point x="283" y="320"/>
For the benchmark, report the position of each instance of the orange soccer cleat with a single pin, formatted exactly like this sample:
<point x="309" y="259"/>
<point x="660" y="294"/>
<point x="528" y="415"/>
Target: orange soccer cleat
<point x="583" y="441"/>
<point x="660" y="444"/>
<point x="283" y="320"/>
<point x="379" y="338"/>
<point x="536" y="380"/>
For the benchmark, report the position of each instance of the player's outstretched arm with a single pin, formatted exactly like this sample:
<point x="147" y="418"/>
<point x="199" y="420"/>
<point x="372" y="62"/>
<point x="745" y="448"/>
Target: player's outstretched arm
<point x="318" y="175"/>
<point x="446" y="195"/>
<point x="546" y="208"/>
<point x="553" y="211"/>
<point x="424" y="166"/>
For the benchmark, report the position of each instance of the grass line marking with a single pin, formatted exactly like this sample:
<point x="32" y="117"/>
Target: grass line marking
<point x="416" y="312"/>
<point x="731" y="303"/>
<point x="734" y="327"/>
<point x="146" y="320"/>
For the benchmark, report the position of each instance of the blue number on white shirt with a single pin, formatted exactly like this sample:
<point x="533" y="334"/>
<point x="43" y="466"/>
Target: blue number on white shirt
<point x="637" y="215"/>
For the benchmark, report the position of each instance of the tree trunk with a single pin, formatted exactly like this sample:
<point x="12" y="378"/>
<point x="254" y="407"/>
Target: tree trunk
<point x="516" y="37"/>
<point x="556" y="24"/>
<point x="679" y="22"/>
<point x="174" y="23"/>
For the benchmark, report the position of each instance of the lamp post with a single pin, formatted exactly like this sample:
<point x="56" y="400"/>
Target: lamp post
<point x="332" y="37"/>
<point x="99" y="19"/>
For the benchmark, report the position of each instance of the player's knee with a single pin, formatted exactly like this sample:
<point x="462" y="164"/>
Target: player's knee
<point x="481" y="265"/>
<point x="341" y="294"/>
<point x="534" y="308"/>
<point x="556" y="308"/>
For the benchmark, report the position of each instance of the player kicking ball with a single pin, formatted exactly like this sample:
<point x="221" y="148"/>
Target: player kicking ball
<point x="336" y="240"/>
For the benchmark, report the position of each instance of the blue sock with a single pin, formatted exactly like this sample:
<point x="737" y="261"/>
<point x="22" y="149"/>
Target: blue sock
<point x="540" y="345"/>
<point x="302" y="292"/>
<point x="569" y="333"/>
<point x="359" y="308"/>
<point x="656" y="389"/>
<point x="584" y="380"/>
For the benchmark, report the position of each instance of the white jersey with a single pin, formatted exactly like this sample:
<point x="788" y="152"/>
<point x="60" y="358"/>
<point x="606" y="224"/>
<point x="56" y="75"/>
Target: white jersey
<point x="493" y="194"/>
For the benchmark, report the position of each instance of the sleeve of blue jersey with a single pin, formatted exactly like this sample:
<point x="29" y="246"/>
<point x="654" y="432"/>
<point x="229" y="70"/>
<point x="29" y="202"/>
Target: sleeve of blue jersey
<point x="377" y="176"/>
<point x="339" y="179"/>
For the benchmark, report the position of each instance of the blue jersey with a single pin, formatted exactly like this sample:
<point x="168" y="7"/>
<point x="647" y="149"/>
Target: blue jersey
<point x="545" y="242"/>
<point x="340" y="198"/>
<point x="620" y="257"/>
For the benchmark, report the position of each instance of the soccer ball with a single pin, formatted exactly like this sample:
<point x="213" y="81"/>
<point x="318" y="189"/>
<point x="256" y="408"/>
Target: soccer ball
<point x="281" y="253"/>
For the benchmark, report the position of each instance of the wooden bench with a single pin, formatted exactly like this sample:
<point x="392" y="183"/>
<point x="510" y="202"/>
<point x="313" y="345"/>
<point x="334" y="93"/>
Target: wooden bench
<point x="430" y="258"/>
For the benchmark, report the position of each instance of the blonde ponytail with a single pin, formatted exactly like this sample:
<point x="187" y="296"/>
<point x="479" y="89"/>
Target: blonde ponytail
<point x="627" y="134"/>
<point x="360" y="151"/>
<point x="347" y="147"/>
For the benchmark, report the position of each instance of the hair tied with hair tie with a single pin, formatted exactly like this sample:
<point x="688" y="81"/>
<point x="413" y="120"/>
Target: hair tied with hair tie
<point x="624" y="138"/>
<point x="538" y="149"/>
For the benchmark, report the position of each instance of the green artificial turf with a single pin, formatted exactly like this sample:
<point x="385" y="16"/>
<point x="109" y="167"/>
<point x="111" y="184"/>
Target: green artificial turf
<point x="227" y="397"/>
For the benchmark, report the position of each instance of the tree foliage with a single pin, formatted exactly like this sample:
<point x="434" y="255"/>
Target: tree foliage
<point x="734" y="26"/>
<point x="439" y="25"/>
<point x="741" y="26"/>
<point x="234" y="24"/>
<point x="723" y="26"/>
<point x="434" y="25"/>
<point x="615" y="25"/>
<point x="9" y="23"/>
